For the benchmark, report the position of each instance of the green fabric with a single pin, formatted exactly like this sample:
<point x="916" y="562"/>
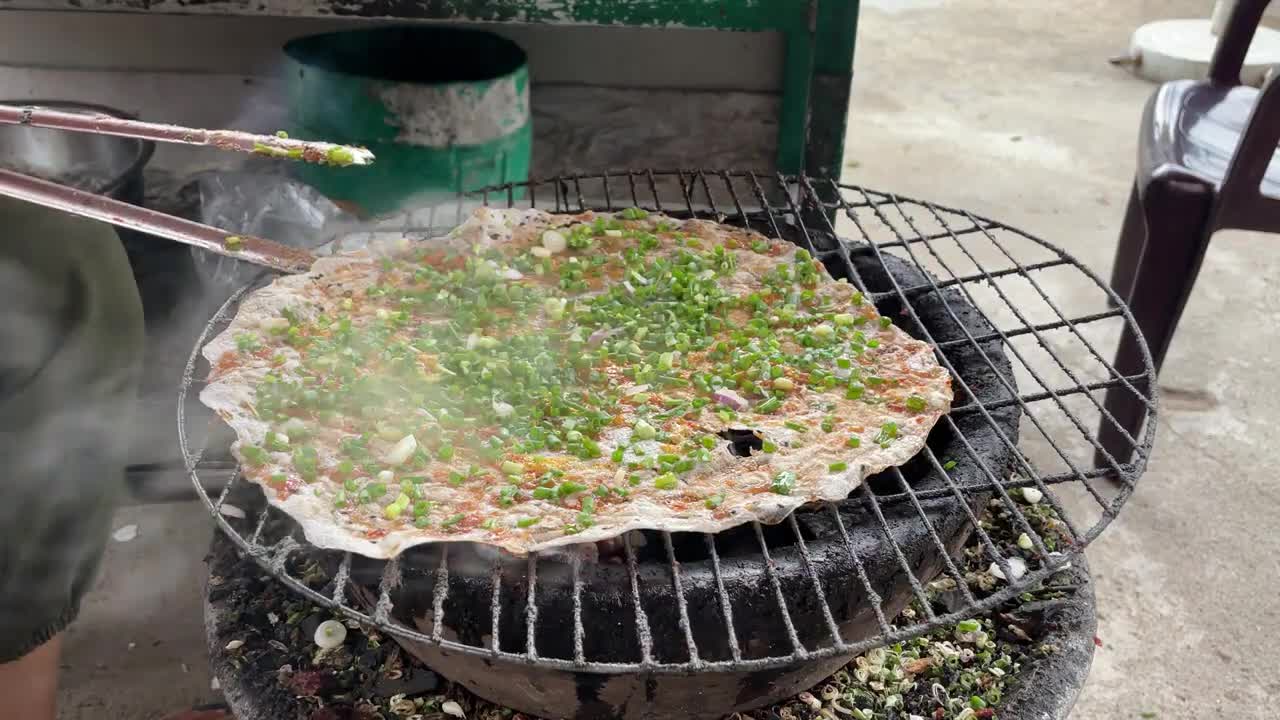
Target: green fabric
<point x="71" y="340"/>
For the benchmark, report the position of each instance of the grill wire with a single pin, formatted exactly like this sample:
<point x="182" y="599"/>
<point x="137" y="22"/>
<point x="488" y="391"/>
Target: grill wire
<point x="1018" y="283"/>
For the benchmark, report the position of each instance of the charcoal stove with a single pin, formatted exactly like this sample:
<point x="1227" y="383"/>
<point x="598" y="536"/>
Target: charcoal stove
<point x="698" y="625"/>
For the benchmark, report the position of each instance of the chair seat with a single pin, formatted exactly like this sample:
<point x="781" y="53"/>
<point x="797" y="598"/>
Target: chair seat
<point x="1190" y="129"/>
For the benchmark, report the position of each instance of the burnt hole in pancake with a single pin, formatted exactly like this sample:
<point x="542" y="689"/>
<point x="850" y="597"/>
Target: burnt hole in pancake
<point x="742" y="442"/>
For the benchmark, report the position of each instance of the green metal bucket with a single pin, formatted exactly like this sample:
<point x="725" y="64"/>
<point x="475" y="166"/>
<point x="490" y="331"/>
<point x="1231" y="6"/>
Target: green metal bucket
<point x="444" y="111"/>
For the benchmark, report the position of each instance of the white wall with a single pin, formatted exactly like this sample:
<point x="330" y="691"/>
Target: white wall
<point x="659" y="99"/>
<point x="693" y="59"/>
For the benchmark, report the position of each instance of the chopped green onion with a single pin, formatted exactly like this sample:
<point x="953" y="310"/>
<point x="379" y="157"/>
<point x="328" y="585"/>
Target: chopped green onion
<point x="838" y="467"/>
<point x="665" y="481"/>
<point x="568" y="487"/>
<point x="783" y="483"/>
<point x="617" y="455"/>
<point x="769" y="405"/>
<point x="915" y="403"/>
<point x="949" y="465"/>
<point x="798" y="427"/>
<point x="853" y="442"/>
<point x="507" y="495"/>
<point x="769" y="447"/>
<point x="714" y="501"/>
<point x="633" y="213"/>
<point x="528" y="522"/>
<point x="885" y="322"/>
<point x="888" y="431"/>
<point x="643" y="431"/>
<point x="452" y="520"/>
<point x="253" y="455"/>
<point x="512" y="468"/>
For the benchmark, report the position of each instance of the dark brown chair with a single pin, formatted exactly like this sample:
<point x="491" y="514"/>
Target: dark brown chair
<point x="1204" y="163"/>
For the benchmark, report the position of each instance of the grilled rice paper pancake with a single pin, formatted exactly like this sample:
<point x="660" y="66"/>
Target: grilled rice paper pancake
<point x="535" y="380"/>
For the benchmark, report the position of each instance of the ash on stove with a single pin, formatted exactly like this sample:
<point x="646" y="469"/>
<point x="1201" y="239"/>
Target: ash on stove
<point x="261" y="642"/>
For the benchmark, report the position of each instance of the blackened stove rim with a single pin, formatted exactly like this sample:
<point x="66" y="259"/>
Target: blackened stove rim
<point x="274" y="558"/>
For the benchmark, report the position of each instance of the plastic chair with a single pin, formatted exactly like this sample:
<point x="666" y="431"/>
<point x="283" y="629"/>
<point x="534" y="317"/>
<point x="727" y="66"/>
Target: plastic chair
<point x="1204" y="161"/>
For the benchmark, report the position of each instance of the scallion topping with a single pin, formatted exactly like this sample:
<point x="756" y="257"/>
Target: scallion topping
<point x="665" y="481"/>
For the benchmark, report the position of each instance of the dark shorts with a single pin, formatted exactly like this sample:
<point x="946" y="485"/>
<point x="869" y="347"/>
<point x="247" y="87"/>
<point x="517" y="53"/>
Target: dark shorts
<point x="70" y="342"/>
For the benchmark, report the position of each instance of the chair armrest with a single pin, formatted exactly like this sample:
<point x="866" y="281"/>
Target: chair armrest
<point x="1233" y="43"/>
<point x="1241" y="203"/>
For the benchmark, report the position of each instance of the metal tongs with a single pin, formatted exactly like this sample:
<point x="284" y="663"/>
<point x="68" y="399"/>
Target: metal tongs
<point x="256" y="250"/>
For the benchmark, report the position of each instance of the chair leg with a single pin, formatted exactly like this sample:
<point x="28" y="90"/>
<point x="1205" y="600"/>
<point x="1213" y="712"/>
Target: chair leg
<point x="1177" y="218"/>
<point x="1133" y="235"/>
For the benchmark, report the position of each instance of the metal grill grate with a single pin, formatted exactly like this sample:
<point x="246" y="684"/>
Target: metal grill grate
<point x="966" y="272"/>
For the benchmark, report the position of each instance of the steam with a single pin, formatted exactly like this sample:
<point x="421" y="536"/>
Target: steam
<point x="259" y="198"/>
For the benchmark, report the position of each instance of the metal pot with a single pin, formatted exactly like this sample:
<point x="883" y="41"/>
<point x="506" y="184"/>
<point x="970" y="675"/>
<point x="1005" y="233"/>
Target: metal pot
<point x="98" y="163"/>
<point x="102" y="164"/>
<point x="111" y="166"/>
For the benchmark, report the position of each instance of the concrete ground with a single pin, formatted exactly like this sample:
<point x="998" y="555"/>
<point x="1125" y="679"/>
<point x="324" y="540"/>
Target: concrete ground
<point x="1011" y="110"/>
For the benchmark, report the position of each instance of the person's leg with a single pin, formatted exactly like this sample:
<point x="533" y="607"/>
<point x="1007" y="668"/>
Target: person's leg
<point x="29" y="685"/>
<point x="70" y="342"/>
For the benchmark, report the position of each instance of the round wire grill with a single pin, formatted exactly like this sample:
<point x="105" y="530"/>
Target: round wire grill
<point x="1054" y="375"/>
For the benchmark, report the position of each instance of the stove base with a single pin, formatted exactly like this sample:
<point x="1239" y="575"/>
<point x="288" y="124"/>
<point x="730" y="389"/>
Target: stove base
<point x="543" y="692"/>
